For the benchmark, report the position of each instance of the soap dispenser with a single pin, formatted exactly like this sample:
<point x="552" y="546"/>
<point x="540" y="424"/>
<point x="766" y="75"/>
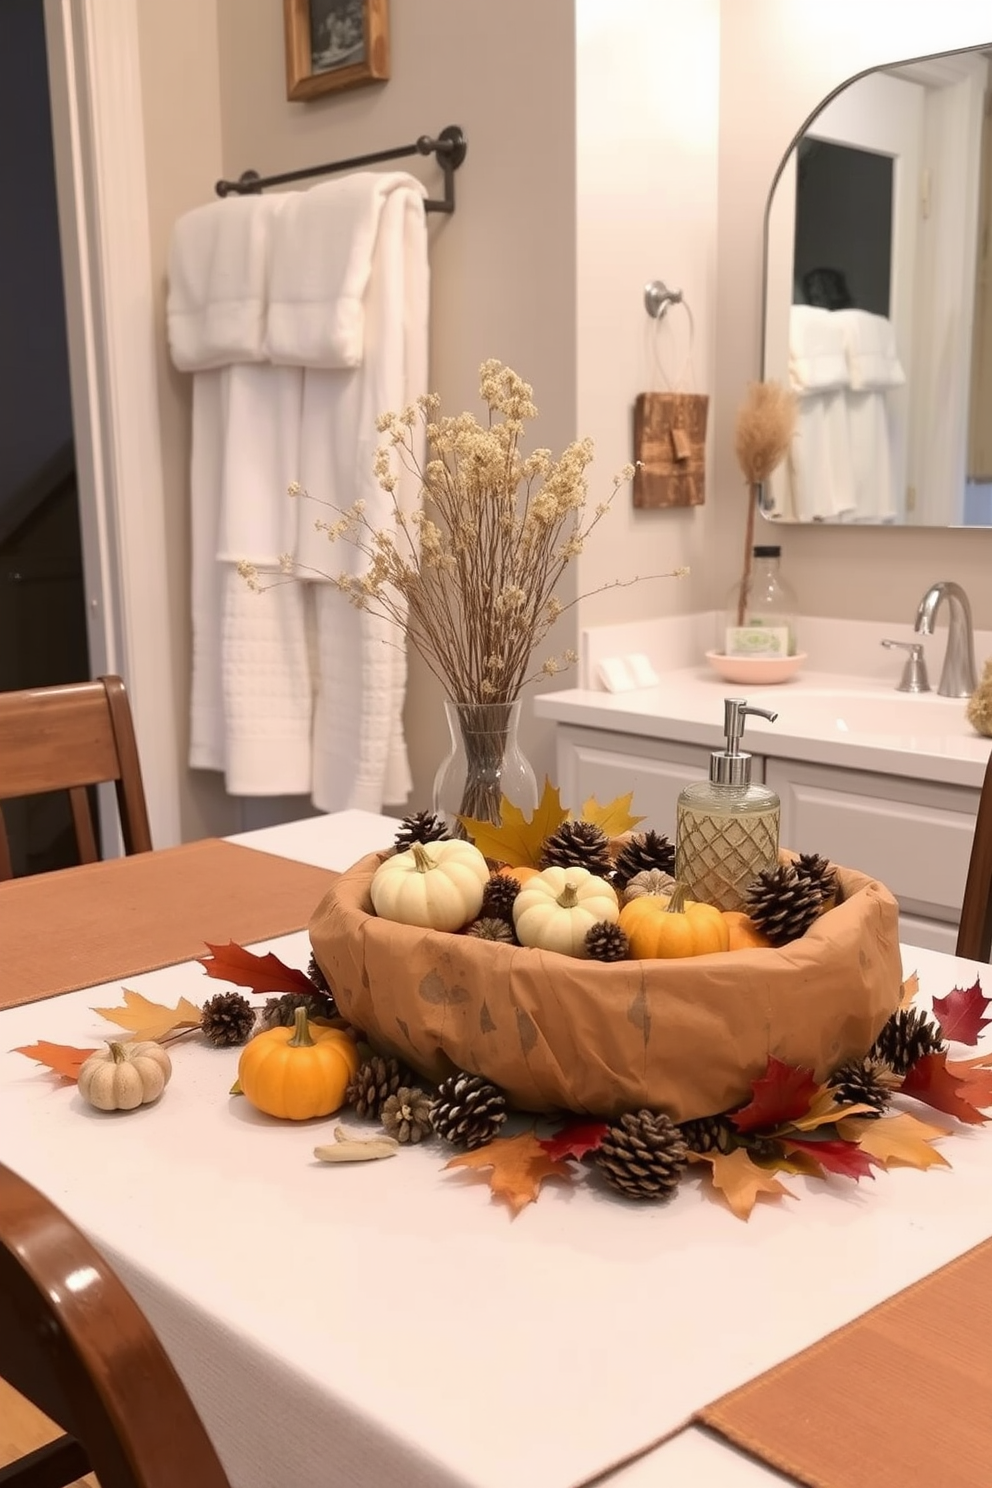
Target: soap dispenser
<point x="727" y="829"/>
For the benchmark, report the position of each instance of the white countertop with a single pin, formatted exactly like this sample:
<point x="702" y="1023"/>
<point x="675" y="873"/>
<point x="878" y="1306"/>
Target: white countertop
<point x="687" y="707"/>
<point x="392" y="1323"/>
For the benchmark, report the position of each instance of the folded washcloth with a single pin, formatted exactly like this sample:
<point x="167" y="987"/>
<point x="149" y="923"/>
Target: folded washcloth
<point x="218" y="269"/>
<point x="870" y="348"/>
<point x="322" y="255"/>
<point x="817" y="355"/>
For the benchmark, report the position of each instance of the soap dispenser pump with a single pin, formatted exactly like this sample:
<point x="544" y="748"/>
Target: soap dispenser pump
<point x="727" y="829"/>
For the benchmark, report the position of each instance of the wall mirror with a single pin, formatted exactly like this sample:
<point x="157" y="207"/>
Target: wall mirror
<point x="878" y="301"/>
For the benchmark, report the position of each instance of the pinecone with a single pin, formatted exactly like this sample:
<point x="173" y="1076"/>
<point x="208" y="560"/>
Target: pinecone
<point x="318" y="978"/>
<point x="280" y="1012"/>
<point x="650" y="881"/>
<point x="407" y="1114"/>
<point x="489" y="927"/>
<point x="226" y="1019"/>
<point x="645" y="850"/>
<point x="606" y="942"/>
<point x="644" y="1156"/>
<point x="578" y="844"/>
<point x="709" y="1134"/>
<point x="498" y="896"/>
<point x="420" y="826"/>
<point x="821" y="872"/>
<point x="782" y="903"/>
<point x="860" y="1082"/>
<point x="468" y="1111"/>
<point x="907" y="1037"/>
<point x="373" y="1083"/>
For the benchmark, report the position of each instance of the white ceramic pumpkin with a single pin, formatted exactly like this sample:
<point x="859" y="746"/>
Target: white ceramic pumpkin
<point x="122" y="1077"/>
<point x="434" y="884"/>
<point x="558" y="907"/>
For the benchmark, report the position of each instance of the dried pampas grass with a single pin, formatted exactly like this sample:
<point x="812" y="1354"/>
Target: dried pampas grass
<point x="766" y="422"/>
<point x="979" y="710"/>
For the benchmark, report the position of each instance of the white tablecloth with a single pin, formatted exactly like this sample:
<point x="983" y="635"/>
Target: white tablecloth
<point x="390" y="1324"/>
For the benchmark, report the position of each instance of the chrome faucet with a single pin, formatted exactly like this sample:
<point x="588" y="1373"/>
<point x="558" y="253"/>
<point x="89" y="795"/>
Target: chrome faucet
<point x="958" y="677"/>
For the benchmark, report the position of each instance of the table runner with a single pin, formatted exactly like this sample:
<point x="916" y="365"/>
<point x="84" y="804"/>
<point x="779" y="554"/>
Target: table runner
<point x="901" y="1395"/>
<point x="81" y="926"/>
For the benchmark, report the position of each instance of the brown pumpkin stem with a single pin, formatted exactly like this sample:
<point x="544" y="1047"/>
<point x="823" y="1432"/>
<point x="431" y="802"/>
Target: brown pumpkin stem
<point x="568" y="898"/>
<point x="301" y="1031"/>
<point x="676" y="904"/>
<point x="117" y="1053"/>
<point x="423" y="860"/>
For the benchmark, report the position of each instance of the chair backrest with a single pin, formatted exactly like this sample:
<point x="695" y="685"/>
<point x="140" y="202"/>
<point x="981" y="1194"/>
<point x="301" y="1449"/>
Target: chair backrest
<point x="69" y="738"/>
<point x="74" y="1342"/>
<point x="975" y="929"/>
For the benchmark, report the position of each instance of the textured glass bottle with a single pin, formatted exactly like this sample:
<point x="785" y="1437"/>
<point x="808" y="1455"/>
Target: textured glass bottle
<point x="760" y="614"/>
<point x="727" y="827"/>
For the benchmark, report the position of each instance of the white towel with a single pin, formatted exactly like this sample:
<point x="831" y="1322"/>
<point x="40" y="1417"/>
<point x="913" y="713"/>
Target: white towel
<point x="218" y="275"/>
<point x="870" y="350"/>
<point x="819" y="460"/>
<point x="206" y="743"/>
<point x="817" y="351"/>
<point x="323" y="248"/>
<point x="872" y="472"/>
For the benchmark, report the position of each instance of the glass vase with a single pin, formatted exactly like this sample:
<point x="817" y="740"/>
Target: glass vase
<point x="485" y="764"/>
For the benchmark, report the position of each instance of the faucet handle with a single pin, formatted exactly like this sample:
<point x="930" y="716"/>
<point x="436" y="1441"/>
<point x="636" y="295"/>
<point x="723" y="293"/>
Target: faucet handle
<point x="914" y="676"/>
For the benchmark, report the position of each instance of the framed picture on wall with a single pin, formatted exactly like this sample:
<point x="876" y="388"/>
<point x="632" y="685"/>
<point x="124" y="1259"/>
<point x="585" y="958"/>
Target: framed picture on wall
<point x="335" y="44"/>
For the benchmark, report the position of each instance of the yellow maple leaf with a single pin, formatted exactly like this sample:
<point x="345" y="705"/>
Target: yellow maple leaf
<point x="740" y="1180"/>
<point x="901" y="1141"/>
<point x="908" y="991"/>
<point x="614" y="818"/>
<point x="146" y="1020"/>
<point x="824" y="1110"/>
<point x="519" y="839"/>
<point x="519" y="1167"/>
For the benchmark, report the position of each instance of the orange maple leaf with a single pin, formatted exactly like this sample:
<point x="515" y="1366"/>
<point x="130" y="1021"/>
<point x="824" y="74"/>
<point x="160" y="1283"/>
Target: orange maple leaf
<point x="908" y="991"/>
<point x="740" y="1180"/>
<point x="936" y="1082"/>
<point x="63" y="1059"/>
<point x="519" y="1167"/>
<point x="232" y="963"/>
<point x="151" y="1020"/>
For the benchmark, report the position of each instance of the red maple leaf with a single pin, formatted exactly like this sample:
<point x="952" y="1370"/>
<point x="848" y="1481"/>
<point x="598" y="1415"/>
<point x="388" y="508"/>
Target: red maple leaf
<point x="781" y="1094"/>
<point x="932" y="1082"/>
<point x="960" y="1013"/>
<point x="839" y="1156"/>
<point x="232" y="963"/>
<point x="575" y="1140"/>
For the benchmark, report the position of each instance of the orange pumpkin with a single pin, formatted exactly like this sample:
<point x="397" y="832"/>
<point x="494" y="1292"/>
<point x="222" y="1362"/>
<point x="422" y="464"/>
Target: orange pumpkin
<point x="521" y="874"/>
<point x="668" y="928"/>
<point x="744" y="933"/>
<point x="298" y="1072"/>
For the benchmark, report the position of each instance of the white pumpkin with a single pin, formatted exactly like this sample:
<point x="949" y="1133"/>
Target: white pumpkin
<point x="434" y="884"/>
<point x="556" y="909"/>
<point x="124" y="1076"/>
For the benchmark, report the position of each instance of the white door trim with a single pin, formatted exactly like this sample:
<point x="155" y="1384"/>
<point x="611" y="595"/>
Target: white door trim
<point x="98" y="127"/>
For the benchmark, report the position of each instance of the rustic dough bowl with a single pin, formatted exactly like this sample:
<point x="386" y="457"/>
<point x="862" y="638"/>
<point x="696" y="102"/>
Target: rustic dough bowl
<point x="555" y="1033"/>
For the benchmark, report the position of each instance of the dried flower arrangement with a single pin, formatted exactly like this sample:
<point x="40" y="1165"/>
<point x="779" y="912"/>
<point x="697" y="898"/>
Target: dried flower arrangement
<point x="766" y="422"/>
<point x="471" y="573"/>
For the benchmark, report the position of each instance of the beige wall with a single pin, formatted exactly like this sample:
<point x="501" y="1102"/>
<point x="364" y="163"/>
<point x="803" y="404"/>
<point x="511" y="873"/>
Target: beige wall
<point x="181" y="102"/>
<point x="779" y="60"/>
<point x="646" y="161"/>
<point x="503" y="267"/>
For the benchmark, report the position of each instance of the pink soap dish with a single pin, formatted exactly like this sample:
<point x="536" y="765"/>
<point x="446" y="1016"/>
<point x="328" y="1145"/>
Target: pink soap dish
<point x="755" y="671"/>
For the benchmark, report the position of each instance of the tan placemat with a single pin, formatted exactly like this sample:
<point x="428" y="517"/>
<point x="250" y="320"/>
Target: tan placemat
<point x="900" y="1396"/>
<point x="81" y="926"/>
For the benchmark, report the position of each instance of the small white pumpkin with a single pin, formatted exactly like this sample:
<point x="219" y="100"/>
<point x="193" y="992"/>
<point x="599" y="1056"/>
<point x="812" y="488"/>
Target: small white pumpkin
<point x="437" y="885"/>
<point x="122" y="1077"/>
<point x="556" y="909"/>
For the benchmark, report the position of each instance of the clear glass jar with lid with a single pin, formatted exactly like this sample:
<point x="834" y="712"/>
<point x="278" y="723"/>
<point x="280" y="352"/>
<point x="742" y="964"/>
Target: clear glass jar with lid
<point x="760" y="614"/>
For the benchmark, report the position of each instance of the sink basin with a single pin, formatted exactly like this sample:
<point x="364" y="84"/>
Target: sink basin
<point x="891" y="715"/>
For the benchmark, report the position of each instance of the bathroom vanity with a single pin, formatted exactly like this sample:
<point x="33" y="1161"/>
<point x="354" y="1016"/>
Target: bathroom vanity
<point x="872" y="778"/>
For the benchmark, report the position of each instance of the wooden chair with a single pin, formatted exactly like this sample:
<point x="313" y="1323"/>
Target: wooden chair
<point x="74" y="1342"/>
<point x="69" y="738"/>
<point x="975" y="929"/>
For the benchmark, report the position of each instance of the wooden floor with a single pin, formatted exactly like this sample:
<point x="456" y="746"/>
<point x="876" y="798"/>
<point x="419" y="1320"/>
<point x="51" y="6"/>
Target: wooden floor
<point x="22" y="1429"/>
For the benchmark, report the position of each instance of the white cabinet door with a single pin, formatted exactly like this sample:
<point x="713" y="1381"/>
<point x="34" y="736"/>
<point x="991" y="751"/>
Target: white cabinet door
<point x="913" y="836"/>
<point x="594" y="762"/>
